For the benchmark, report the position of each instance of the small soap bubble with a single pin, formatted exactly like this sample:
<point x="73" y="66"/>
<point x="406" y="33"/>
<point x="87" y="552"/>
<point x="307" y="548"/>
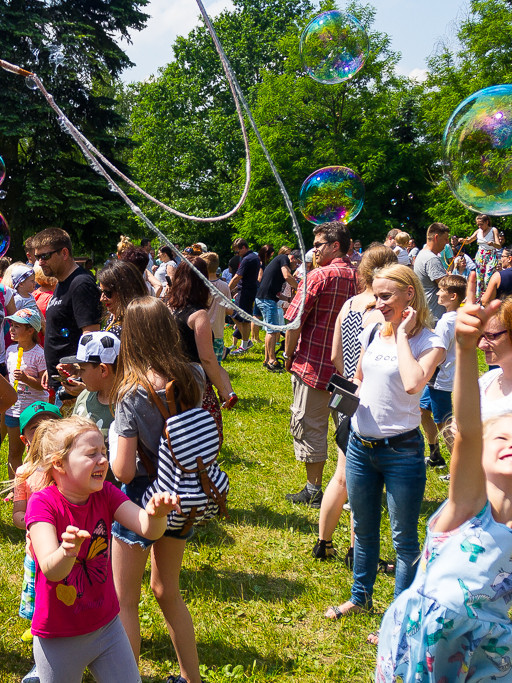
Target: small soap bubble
<point x="56" y="56"/>
<point x="394" y="202"/>
<point x="3" y="194"/>
<point x="112" y="187"/>
<point x="64" y="332"/>
<point x="5" y="236"/>
<point x="478" y="151"/>
<point x="332" y="193"/>
<point x="2" y="170"/>
<point x="410" y="195"/>
<point x="30" y="83"/>
<point x="334" y="46"/>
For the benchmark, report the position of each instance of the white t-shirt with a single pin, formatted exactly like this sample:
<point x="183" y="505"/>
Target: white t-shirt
<point x="217" y="309"/>
<point x="385" y="408"/>
<point x="402" y="255"/>
<point x="445" y="330"/>
<point x="33" y="362"/>
<point x="8" y="294"/>
<point x="492" y="407"/>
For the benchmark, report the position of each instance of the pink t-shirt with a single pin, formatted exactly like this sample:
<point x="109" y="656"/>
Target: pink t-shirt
<point x="85" y="600"/>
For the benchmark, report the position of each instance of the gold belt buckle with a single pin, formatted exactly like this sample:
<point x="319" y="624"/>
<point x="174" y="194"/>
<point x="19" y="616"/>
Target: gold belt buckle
<point x="368" y="444"/>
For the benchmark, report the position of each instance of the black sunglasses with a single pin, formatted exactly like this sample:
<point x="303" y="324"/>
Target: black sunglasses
<point x="47" y="255"/>
<point x="107" y="292"/>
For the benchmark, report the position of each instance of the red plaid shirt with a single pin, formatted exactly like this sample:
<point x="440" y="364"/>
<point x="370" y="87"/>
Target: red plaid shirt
<point x="327" y="290"/>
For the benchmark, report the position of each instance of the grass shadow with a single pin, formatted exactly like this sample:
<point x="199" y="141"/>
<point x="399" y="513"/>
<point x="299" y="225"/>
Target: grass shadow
<point x="260" y="403"/>
<point x="262" y="515"/>
<point x="228" y="456"/>
<point x="12" y="533"/>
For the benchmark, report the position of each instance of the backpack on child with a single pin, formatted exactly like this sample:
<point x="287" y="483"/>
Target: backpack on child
<point x="187" y="464"/>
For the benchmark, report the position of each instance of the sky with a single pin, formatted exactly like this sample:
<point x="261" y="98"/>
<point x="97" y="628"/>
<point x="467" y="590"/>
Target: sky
<point x="415" y="28"/>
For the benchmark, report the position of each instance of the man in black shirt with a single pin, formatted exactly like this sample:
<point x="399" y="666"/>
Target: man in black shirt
<point x="75" y="305"/>
<point x="278" y="271"/>
<point x="247" y="277"/>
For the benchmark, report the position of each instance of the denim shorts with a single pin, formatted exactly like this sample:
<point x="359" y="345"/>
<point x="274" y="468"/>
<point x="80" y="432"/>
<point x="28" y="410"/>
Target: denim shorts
<point x="11" y="421"/>
<point x="439" y="402"/>
<point x="269" y="311"/>
<point x="135" y="490"/>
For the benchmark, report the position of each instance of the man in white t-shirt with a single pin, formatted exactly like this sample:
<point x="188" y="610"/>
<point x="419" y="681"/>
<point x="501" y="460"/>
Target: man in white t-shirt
<point x="428" y="266"/>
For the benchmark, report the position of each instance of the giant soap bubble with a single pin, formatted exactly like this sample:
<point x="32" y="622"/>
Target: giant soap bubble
<point x="478" y="151"/>
<point x="333" y="47"/>
<point x="332" y="193"/>
<point x="5" y="236"/>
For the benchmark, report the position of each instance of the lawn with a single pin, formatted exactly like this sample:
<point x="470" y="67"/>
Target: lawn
<point x="256" y="595"/>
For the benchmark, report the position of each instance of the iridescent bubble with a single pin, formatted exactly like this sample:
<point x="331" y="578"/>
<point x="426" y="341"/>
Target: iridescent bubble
<point x="30" y="83"/>
<point x="64" y="332"/>
<point x="5" y="236"/>
<point x="2" y="170"/>
<point x="332" y="193"/>
<point x="478" y="151"/>
<point x="334" y="46"/>
<point x="3" y="194"/>
<point x="410" y="195"/>
<point x="394" y="202"/>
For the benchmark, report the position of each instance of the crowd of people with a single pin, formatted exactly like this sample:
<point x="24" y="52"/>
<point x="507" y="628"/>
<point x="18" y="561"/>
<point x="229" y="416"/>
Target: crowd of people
<point x="93" y="365"/>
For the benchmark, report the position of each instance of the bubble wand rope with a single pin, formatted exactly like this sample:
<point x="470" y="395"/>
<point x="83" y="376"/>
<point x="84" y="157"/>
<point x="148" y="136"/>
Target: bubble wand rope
<point x="92" y="155"/>
<point x="457" y="254"/>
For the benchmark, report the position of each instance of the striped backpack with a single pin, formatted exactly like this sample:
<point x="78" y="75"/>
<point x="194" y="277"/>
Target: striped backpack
<point x="187" y="464"/>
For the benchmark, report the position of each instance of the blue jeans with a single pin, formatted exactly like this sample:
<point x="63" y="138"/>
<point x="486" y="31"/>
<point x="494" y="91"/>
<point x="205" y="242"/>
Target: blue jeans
<point x="402" y="470"/>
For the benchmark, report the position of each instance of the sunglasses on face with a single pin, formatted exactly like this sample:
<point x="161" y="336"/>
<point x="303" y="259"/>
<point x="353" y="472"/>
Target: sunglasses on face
<point x="47" y="255"/>
<point x="107" y="293"/>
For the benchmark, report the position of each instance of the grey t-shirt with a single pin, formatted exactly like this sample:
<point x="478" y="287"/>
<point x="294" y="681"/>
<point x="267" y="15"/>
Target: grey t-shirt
<point x="136" y="415"/>
<point x="428" y="267"/>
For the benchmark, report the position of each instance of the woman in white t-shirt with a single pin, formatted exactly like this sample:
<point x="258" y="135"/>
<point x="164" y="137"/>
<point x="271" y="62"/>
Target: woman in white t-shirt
<point x="496" y="343"/>
<point x="386" y="446"/>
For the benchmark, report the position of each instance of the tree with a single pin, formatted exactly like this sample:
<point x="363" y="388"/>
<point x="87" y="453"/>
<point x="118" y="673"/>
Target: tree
<point x="70" y="45"/>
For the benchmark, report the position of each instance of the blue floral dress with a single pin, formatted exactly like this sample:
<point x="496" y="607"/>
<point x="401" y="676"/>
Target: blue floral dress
<point x="452" y="623"/>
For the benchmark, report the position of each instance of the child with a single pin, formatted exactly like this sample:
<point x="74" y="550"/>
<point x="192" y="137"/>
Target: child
<point x="30" y="419"/>
<point x="452" y="624"/>
<point x="402" y="242"/>
<point x="76" y="623"/>
<point x="436" y="400"/>
<point x="217" y="310"/>
<point x="97" y="358"/>
<point x="25" y="324"/>
<point x="151" y="354"/>
<point x="23" y="281"/>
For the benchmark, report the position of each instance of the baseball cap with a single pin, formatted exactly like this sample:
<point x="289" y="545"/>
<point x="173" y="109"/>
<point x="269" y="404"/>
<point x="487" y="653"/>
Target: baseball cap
<point x="27" y="316"/>
<point x="19" y="274"/>
<point x="35" y="409"/>
<point x="95" y="347"/>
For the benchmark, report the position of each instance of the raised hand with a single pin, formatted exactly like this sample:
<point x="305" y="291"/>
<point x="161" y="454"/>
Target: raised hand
<point x="72" y="540"/>
<point x="161" y="504"/>
<point x="472" y="318"/>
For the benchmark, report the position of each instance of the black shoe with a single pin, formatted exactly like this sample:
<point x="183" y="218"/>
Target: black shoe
<point x="437" y="462"/>
<point x="324" y="550"/>
<point x="304" y="497"/>
<point x="349" y="558"/>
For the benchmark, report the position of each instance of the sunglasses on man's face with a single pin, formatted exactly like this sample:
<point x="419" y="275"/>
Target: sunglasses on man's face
<point x="47" y="255"/>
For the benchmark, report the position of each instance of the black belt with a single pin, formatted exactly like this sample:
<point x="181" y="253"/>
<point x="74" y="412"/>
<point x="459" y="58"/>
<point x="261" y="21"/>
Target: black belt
<point x="390" y="441"/>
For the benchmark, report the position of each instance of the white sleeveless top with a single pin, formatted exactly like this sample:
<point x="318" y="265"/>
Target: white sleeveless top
<point x="483" y="240"/>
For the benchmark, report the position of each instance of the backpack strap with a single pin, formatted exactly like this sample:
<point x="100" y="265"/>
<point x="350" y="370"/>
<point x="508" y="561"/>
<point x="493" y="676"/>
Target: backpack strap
<point x="149" y="465"/>
<point x="166" y="412"/>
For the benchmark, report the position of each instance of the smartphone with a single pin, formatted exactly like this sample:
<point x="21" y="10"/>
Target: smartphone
<point x="168" y="280"/>
<point x="66" y="380"/>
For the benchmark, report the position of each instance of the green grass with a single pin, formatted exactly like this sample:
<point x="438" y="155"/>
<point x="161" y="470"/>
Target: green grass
<point x="256" y="595"/>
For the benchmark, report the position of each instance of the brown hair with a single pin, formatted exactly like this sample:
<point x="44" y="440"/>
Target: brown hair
<point x="436" y="229"/>
<point x="123" y="244"/>
<point x="334" y="231"/>
<point x="187" y="288"/>
<point x="212" y="261"/>
<point x="137" y="256"/>
<point x="55" y="238"/>
<point x="151" y="341"/>
<point x="125" y="279"/>
<point x="504" y="315"/>
<point x="455" y="284"/>
<point x="376" y="256"/>
<point x="239" y="243"/>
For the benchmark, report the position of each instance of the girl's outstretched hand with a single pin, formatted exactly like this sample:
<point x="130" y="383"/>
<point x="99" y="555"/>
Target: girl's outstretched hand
<point x="72" y="539"/>
<point x="161" y="504"/>
<point x="472" y="318"/>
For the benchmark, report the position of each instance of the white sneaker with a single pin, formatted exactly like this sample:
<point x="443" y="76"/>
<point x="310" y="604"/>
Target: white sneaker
<point x="31" y="677"/>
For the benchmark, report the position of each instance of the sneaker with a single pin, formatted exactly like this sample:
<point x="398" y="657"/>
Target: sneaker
<point x="438" y="462"/>
<point x="31" y="677"/>
<point x="27" y="636"/>
<point x="324" y="550"/>
<point x="237" y="352"/>
<point x="445" y="477"/>
<point x="304" y="497"/>
<point x="346" y="506"/>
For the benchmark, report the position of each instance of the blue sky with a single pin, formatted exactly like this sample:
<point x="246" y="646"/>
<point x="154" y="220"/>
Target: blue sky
<point x="415" y="27"/>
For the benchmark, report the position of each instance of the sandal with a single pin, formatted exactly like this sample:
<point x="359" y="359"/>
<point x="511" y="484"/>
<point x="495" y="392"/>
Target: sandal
<point x="384" y="567"/>
<point x="339" y="611"/>
<point x="373" y="638"/>
<point x="324" y="550"/>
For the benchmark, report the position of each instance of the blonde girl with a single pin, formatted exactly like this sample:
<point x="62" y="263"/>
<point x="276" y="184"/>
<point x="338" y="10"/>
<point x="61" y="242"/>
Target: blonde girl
<point x="151" y="355"/>
<point x="452" y="623"/>
<point x="76" y="623"/>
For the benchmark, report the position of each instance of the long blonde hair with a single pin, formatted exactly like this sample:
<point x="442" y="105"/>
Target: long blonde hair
<point x="53" y="441"/>
<point x="405" y="277"/>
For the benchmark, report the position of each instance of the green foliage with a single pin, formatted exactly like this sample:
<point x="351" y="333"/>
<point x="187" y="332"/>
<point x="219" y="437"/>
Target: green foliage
<point x="49" y="183"/>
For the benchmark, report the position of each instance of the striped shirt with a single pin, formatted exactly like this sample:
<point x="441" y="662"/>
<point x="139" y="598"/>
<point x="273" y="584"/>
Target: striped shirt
<point x="328" y="287"/>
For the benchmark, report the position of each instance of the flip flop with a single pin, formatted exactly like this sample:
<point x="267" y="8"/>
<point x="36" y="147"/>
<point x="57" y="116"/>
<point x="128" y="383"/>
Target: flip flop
<point x="338" y="611"/>
<point x="384" y="567"/>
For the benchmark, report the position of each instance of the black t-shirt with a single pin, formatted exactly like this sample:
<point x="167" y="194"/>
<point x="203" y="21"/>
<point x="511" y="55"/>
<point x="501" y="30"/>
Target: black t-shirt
<point x="273" y="280"/>
<point x="75" y="304"/>
<point x="249" y="269"/>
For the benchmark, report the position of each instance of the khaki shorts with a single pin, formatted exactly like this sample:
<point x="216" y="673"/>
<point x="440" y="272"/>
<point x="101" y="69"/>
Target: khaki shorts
<point x="309" y="421"/>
